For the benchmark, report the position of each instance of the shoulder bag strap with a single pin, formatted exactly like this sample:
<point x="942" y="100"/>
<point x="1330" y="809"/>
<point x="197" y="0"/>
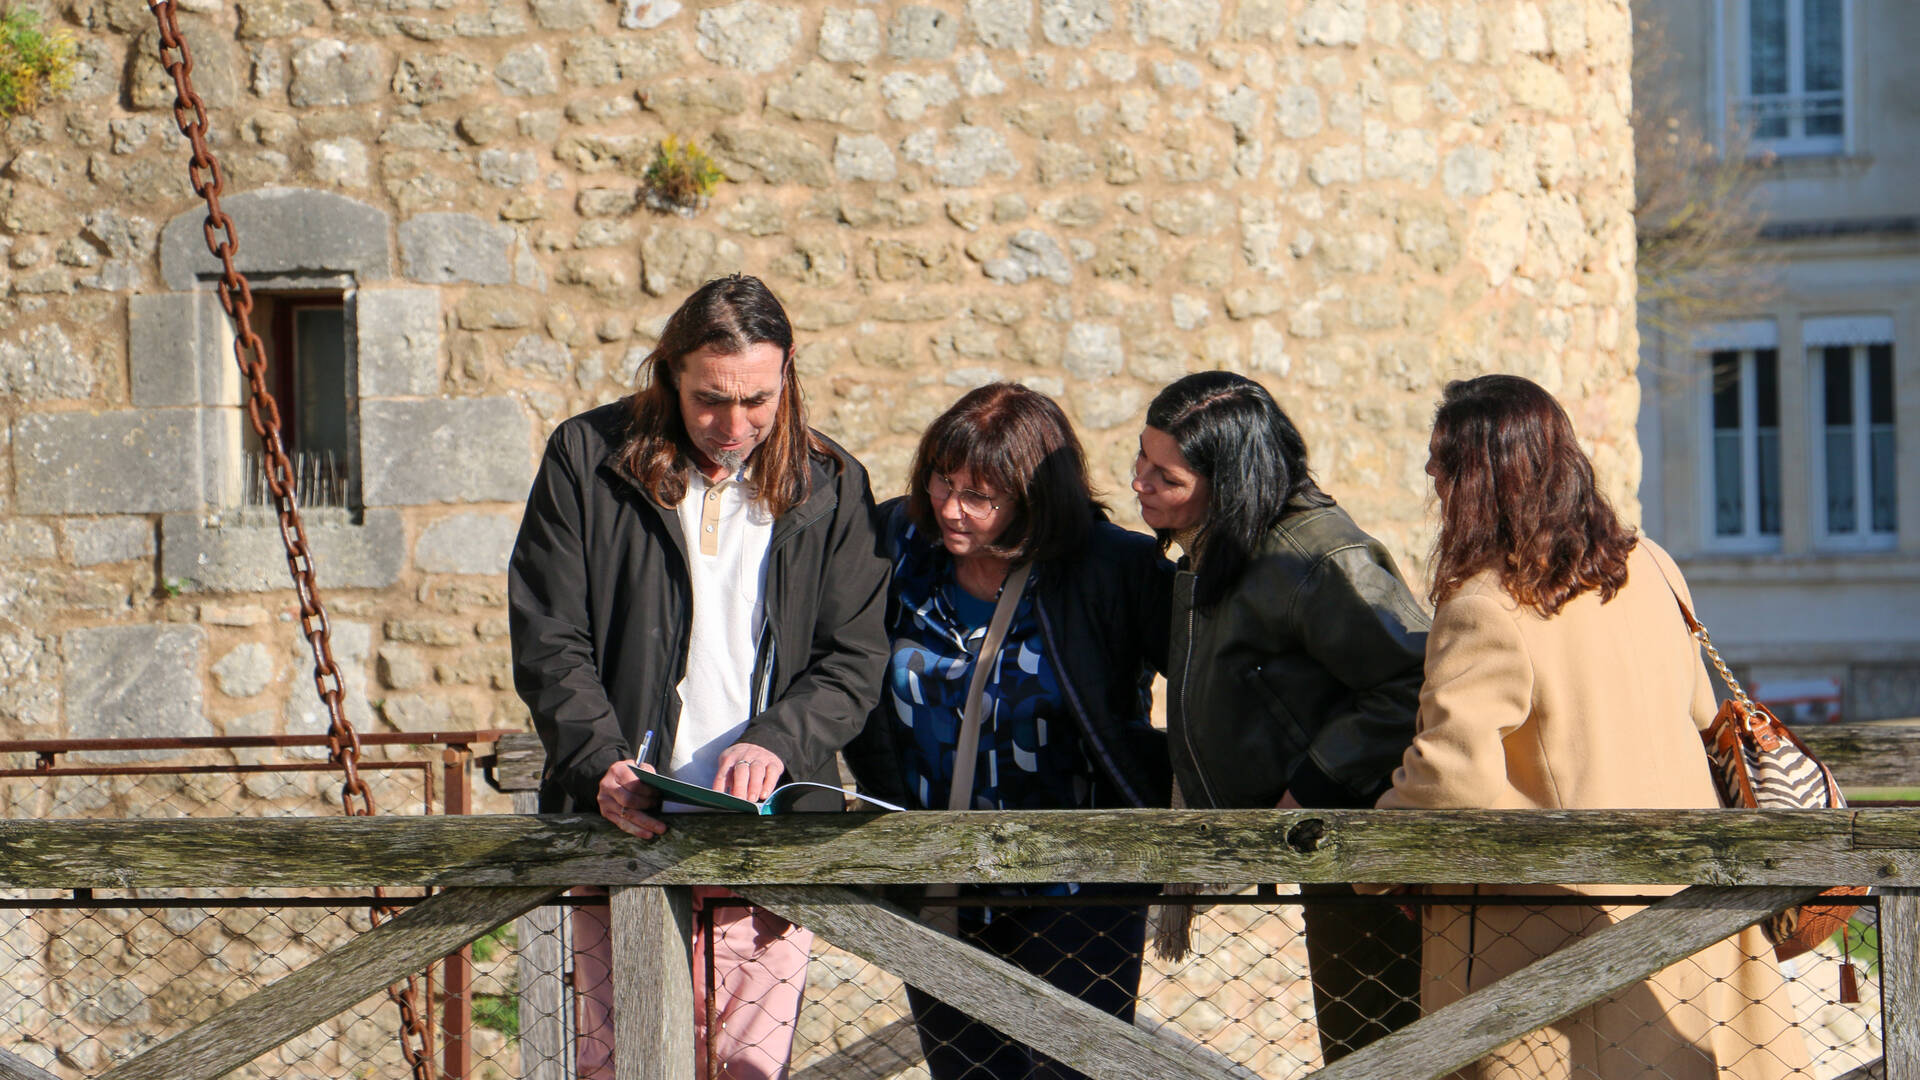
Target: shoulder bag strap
<point x="968" y="746"/>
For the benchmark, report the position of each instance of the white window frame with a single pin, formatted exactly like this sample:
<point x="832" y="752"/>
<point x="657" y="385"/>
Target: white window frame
<point x="1745" y="337"/>
<point x="1857" y="332"/>
<point x="1746" y="107"/>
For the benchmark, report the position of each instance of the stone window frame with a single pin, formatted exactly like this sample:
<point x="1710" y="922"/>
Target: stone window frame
<point x="1735" y="52"/>
<point x="1857" y="333"/>
<point x="180" y="349"/>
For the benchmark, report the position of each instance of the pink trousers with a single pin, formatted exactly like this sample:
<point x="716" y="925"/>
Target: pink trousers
<point x="759" y="972"/>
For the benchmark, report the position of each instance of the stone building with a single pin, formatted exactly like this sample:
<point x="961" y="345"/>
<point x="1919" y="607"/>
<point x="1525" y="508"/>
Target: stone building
<point x="1782" y="468"/>
<point x="441" y="205"/>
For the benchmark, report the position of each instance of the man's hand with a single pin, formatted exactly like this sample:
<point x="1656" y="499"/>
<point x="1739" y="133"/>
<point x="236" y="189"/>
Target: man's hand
<point x="748" y="771"/>
<point x="625" y="800"/>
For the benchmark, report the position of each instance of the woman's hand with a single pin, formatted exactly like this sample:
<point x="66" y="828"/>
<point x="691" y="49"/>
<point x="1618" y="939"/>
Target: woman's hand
<point x="625" y="801"/>
<point x="748" y="771"/>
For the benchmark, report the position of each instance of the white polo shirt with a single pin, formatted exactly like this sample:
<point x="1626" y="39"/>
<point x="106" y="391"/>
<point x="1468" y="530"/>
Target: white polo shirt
<point x="728" y="533"/>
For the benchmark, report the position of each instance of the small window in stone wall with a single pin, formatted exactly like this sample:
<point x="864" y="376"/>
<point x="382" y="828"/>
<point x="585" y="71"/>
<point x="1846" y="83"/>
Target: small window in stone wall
<point x="311" y="375"/>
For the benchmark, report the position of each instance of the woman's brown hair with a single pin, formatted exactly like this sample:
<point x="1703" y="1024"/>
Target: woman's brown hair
<point x="731" y="314"/>
<point x="1517" y="497"/>
<point x="1018" y="442"/>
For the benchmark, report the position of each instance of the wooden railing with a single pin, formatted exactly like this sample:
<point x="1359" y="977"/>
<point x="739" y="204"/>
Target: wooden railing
<point x="1740" y="867"/>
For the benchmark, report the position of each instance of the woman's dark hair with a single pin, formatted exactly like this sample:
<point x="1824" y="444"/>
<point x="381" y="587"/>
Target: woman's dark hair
<point x="1517" y="497"/>
<point x="733" y="314"/>
<point x="1254" y="460"/>
<point x="1018" y="442"/>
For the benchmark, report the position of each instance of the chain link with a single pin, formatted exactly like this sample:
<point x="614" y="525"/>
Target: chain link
<point x="236" y="297"/>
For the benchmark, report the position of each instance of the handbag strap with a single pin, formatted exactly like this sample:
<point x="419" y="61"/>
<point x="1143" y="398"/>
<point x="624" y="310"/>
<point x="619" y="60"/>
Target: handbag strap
<point x="1699" y="631"/>
<point x="968" y="746"/>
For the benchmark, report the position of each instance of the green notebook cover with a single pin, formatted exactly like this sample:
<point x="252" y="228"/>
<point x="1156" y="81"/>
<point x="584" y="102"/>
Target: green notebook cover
<point x="695" y="795"/>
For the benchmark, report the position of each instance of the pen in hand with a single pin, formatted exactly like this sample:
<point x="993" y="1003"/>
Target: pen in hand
<point x="646" y="744"/>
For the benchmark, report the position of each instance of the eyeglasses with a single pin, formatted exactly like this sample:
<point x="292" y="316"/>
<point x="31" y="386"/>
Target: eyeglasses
<point x="974" y="504"/>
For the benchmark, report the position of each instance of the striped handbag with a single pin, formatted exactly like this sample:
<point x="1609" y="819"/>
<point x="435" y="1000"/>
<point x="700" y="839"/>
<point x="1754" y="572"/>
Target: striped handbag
<point x="1758" y="762"/>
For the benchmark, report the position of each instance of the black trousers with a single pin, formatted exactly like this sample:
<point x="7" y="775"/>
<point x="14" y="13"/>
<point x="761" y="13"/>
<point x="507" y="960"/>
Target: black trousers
<point x="1364" y="960"/>
<point x="1092" y="953"/>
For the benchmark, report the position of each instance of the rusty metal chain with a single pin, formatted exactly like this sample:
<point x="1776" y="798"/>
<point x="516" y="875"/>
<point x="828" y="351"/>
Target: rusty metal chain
<point x="263" y="412"/>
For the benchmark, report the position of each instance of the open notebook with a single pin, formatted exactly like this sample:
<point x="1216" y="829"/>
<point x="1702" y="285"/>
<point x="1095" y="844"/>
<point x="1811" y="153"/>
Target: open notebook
<point x="782" y="798"/>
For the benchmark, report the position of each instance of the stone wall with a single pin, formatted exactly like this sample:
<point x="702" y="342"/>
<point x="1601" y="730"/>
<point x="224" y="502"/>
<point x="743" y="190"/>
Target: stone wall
<point x="1353" y="200"/>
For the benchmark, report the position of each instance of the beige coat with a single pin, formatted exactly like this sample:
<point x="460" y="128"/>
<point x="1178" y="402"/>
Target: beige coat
<point x="1598" y="707"/>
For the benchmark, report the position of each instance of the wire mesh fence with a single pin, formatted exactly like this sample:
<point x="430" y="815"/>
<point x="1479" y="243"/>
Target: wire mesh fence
<point x="1275" y="983"/>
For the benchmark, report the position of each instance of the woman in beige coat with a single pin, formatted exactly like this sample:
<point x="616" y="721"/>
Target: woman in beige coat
<point x="1560" y="675"/>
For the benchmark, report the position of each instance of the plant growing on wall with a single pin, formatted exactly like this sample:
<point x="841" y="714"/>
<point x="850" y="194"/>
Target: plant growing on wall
<point x="34" y="64"/>
<point x="681" y="177"/>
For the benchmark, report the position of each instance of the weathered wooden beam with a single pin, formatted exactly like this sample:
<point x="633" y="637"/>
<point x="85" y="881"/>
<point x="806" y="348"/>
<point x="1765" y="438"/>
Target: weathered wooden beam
<point x="883" y="1054"/>
<point x="1022" y="1006"/>
<point x="1799" y="847"/>
<point x="331" y="984"/>
<point x="1876" y="754"/>
<point x="1900" y="982"/>
<point x="653" y="983"/>
<point x="1576" y="976"/>
<point x="1872" y="1070"/>
<point x="15" y="1067"/>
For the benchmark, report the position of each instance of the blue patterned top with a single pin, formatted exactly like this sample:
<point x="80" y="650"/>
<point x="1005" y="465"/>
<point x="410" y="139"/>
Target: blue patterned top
<point x="1031" y="756"/>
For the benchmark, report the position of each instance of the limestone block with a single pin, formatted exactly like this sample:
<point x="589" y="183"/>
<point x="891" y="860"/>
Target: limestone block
<point x="526" y="72"/>
<point x="748" y="35"/>
<point x="287" y="231"/>
<point x="179" y="350"/>
<point x="600" y="61"/>
<point x="30" y="688"/>
<point x="1183" y="24"/>
<point x="341" y="162"/>
<point x="818" y="92"/>
<point x="774" y="155"/>
<point x="467" y="544"/>
<point x="92" y="541"/>
<point x="196" y="557"/>
<point x="331" y="72"/>
<point x="1001" y="24"/>
<point x="443" y="633"/>
<point x="397" y="341"/>
<point x="910" y="95"/>
<point x="468" y="450"/>
<point x="674" y="258"/>
<point x="441" y="248"/>
<point x="1333" y="22"/>
<point x="305" y="714"/>
<point x="246" y="670"/>
<point x="1030" y="254"/>
<point x="1105" y="405"/>
<point x="647" y="14"/>
<point x="274" y="18"/>
<point x="563" y="14"/>
<point x="1093" y="351"/>
<point x="1074" y="24"/>
<point x="849" y="35"/>
<point x="427" y="78"/>
<point x="539" y="355"/>
<point x="25" y="541"/>
<point x="1188" y="215"/>
<point x="40" y="364"/>
<point x="1298" y="112"/>
<point x="217" y="67"/>
<point x="134" y="682"/>
<point x="863" y="157"/>
<point x="130" y="462"/>
<point x="922" y="33"/>
<point x="401" y="668"/>
<point x="123" y="236"/>
<point x="968" y="155"/>
<point x="1468" y="172"/>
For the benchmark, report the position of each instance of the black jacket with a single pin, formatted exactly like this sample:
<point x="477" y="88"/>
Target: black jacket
<point x="1304" y="678"/>
<point x="1104" y="613"/>
<point x="601" y="608"/>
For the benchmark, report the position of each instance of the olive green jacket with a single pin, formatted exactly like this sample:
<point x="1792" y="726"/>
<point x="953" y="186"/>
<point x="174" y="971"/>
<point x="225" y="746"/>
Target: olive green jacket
<point x="1304" y="678"/>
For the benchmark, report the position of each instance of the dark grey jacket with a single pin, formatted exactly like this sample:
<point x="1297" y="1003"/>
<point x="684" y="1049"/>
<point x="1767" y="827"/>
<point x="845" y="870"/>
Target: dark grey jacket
<point x="601" y="608"/>
<point x="1104" y="615"/>
<point x="1305" y="678"/>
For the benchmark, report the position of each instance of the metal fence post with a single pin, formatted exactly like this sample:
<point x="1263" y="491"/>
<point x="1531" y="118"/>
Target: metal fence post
<point x="652" y="983"/>
<point x="456" y="971"/>
<point x="1900" y="982"/>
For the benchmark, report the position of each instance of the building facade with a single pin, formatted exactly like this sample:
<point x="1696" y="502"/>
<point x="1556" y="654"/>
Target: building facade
<point x="444" y="208"/>
<point x="1782" y="441"/>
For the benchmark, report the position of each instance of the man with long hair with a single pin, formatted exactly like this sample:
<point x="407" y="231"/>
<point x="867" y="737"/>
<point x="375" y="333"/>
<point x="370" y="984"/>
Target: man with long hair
<point x="696" y="582"/>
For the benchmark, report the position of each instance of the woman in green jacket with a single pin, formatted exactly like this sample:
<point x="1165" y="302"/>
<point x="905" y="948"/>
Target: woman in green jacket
<point x="1295" y="662"/>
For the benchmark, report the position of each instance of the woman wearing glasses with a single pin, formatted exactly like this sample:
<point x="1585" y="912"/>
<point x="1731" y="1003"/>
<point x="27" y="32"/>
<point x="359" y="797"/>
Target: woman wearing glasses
<point x="1025" y="630"/>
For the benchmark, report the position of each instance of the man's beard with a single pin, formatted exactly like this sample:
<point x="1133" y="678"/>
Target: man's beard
<point x="731" y="460"/>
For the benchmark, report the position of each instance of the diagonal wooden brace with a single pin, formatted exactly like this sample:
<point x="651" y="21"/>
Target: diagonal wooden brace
<point x="330" y="985"/>
<point x="1580" y="974"/>
<point x="1020" y="1005"/>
